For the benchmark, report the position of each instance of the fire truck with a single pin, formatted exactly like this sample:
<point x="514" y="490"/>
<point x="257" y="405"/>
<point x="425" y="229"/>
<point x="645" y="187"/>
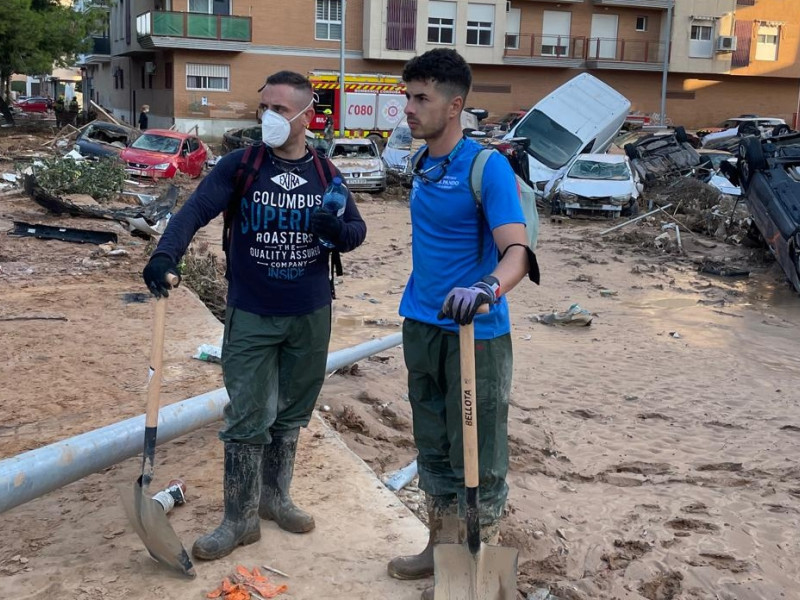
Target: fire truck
<point x="374" y="103"/>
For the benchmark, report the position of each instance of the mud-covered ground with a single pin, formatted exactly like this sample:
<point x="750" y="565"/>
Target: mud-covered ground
<point x="654" y="453"/>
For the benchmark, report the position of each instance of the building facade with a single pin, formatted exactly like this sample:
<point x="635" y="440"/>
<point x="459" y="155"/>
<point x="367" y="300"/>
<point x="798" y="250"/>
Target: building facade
<point x="200" y="62"/>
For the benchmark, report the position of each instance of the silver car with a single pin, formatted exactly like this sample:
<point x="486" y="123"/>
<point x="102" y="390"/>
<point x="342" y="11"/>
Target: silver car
<point x="360" y="162"/>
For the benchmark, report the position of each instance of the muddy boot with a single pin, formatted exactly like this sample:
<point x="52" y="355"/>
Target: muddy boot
<point x="442" y="529"/>
<point x="276" y="504"/>
<point x="240" y="525"/>
<point x="490" y="534"/>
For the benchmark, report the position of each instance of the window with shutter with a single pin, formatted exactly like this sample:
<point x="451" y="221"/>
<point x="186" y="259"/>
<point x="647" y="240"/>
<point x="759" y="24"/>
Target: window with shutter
<point x="441" y="22"/>
<point x="401" y="24"/>
<point x="208" y="77"/>
<point x="328" y="23"/>
<point x="744" y="36"/>
<point x="480" y="24"/>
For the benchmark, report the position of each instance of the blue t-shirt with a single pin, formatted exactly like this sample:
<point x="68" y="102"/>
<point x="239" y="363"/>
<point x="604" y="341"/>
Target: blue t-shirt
<point x="445" y="240"/>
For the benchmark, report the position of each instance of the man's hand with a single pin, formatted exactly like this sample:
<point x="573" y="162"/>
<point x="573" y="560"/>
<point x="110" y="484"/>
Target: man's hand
<point x="461" y="303"/>
<point x="155" y="274"/>
<point x="326" y="225"/>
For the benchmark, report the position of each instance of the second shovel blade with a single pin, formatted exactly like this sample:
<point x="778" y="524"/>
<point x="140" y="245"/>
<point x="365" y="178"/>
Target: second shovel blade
<point x="491" y="574"/>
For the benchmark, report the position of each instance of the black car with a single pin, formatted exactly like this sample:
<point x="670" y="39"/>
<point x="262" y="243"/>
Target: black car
<point x="100" y="139"/>
<point x="769" y="175"/>
<point x="240" y="138"/>
<point x="666" y="153"/>
<point x="247" y="136"/>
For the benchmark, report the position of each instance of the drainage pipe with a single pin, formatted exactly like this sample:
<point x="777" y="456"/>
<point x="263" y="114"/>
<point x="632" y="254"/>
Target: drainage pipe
<point x="37" y="472"/>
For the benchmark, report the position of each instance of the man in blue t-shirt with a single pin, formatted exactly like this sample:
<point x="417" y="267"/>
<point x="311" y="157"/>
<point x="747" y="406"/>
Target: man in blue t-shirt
<point x="452" y="277"/>
<point x="278" y="315"/>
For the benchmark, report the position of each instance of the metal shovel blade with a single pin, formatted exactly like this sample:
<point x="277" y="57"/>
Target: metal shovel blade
<point x="491" y="574"/>
<point x="150" y="521"/>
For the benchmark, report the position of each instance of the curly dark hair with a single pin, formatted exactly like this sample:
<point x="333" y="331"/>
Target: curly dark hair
<point x="444" y="66"/>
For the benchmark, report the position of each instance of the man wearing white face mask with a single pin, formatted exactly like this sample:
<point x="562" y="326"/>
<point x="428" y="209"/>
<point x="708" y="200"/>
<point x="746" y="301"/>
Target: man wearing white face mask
<point x="278" y="318"/>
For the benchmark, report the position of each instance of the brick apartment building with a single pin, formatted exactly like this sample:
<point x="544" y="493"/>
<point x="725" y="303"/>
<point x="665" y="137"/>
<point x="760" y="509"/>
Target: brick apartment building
<point x="200" y="62"/>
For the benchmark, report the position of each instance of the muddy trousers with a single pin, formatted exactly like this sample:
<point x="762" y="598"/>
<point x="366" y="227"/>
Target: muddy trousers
<point x="273" y="368"/>
<point x="434" y="389"/>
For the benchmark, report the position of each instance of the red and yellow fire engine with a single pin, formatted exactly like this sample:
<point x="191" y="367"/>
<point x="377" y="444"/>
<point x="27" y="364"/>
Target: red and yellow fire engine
<point x="374" y="103"/>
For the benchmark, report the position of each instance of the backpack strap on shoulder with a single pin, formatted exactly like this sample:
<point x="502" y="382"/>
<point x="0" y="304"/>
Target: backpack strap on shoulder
<point x="246" y="174"/>
<point x="475" y="184"/>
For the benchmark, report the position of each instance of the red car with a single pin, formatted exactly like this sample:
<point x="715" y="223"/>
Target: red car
<point x="160" y="153"/>
<point x="33" y="105"/>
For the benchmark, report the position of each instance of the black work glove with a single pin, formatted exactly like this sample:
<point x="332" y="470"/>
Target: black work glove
<point x="155" y="274"/>
<point x="462" y="303"/>
<point x="326" y="225"/>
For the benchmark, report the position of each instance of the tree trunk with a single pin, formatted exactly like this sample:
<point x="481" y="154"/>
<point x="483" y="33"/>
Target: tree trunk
<point x="5" y="109"/>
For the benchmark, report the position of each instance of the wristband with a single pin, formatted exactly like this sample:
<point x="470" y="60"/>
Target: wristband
<point x="494" y="285"/>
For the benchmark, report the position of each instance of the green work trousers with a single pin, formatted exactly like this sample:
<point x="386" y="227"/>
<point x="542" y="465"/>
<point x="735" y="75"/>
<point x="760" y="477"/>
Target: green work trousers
<point x="273" y="368"/>
<point x="434" y="389"/>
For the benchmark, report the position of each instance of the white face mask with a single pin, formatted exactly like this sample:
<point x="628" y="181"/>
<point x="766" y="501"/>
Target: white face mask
<point x="275" y="127"/>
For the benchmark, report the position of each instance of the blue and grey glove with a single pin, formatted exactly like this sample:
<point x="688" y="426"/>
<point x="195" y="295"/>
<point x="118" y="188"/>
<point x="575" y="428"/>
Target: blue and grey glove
<point x="461" y="304"/>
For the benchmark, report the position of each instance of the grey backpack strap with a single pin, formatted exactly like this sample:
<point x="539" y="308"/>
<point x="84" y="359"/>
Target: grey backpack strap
<point x="475" y="183"/>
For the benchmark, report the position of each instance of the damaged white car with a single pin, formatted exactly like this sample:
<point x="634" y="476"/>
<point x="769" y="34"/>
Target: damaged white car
<point x="360" y="162"/>
<point x="596" y="184"/>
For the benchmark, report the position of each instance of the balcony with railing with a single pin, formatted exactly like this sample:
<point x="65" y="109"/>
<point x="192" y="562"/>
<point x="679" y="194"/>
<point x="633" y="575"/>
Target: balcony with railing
<point x="637" y="3"/>
<point x="195" y="31"/>
<point x="540" y="50"/>
<point x="578" y="51"/>
<point x="99" y="52"/>
<point x="616" y="53"/>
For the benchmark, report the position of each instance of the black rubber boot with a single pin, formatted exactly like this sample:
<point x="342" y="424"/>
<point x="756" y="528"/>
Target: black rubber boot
<point x="276" y="504"/>
<point x="442" y="529"/>
<point x="490" y="534"/>
<point x="240" y="525"/>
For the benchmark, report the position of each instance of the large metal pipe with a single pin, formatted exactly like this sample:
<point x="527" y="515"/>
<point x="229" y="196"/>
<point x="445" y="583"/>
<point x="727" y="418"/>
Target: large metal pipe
<point x="32" y="474"/>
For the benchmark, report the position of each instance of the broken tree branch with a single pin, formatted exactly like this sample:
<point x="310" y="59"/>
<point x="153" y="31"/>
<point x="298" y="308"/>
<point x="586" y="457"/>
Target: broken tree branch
<point x="103" y="112"/>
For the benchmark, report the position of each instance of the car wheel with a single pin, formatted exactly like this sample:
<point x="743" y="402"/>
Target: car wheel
<point x="680" y="135"/>
<point x="631" y="210"/>
<point x="780" y="130"/>
<point x="751" y="159"/>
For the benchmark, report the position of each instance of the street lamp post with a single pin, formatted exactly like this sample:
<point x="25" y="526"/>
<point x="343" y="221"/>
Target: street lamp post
<point x="663" y="116"/>
<point x="342" y="95"/>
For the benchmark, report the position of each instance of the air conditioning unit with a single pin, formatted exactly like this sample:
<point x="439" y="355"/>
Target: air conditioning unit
<point x="149" y="67"/>
<point x="726" y="43"/>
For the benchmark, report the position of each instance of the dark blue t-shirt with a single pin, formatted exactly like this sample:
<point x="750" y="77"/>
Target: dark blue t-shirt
<point x="445" y="241"/>
<point x="277" y="266"/>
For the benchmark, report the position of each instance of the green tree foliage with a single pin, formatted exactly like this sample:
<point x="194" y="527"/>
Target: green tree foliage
<point x="37" y="35"/>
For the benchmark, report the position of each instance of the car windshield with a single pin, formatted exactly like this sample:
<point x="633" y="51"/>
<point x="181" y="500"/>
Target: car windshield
<point x="551" y="144"/>
<point x="716" y="159"/>
<point x="590" y="169"/>
<point x="400" y="138"/>
<point x="157" y="143"/>
<point x="730" y="124"/>
<point x="354" y="151"/>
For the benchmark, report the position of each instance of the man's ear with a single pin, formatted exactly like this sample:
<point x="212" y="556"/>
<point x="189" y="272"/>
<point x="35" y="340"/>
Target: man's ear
<point x="456" y="106"/>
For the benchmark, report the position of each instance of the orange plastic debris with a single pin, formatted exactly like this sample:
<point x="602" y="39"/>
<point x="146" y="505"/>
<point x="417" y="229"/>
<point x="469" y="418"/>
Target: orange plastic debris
<point x="243" y="582"/>
<point x="258" y="582"/>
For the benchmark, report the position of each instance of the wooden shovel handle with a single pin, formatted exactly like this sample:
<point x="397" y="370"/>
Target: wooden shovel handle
<point x="156" y="362"/>
<point x="469" y="409"/>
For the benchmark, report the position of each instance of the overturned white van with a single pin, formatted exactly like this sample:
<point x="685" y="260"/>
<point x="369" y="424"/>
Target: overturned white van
<point x="580" y="117"/>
